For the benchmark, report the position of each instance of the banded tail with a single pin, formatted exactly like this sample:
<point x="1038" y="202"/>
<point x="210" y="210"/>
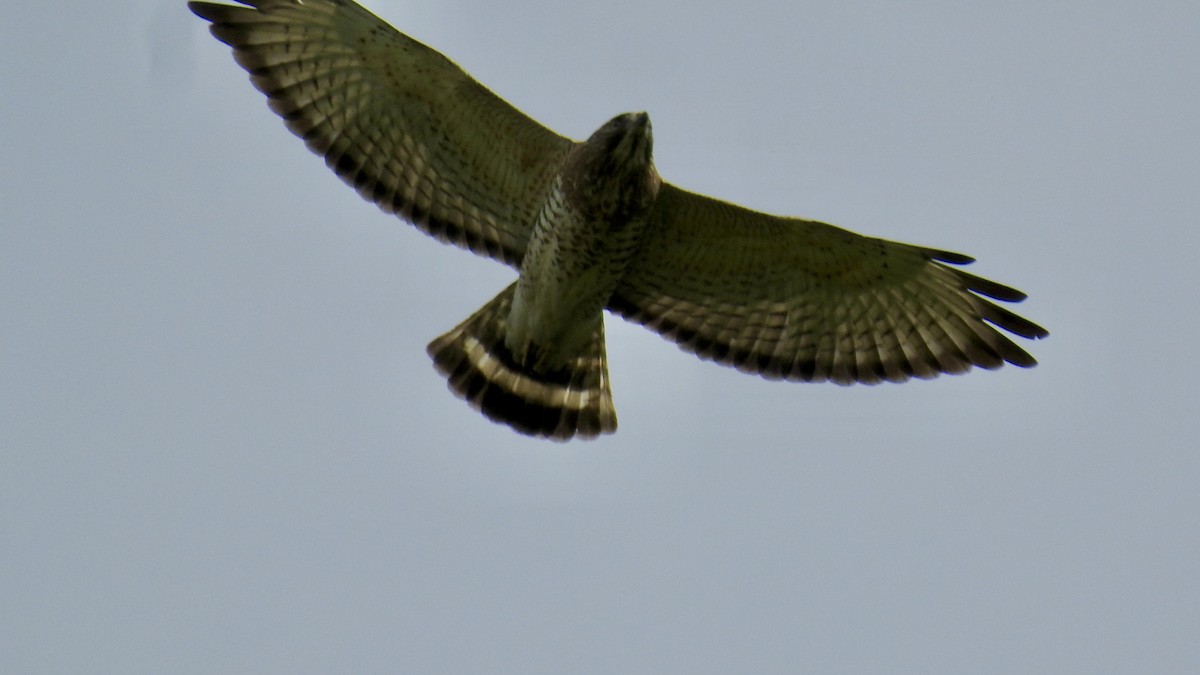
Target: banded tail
<point x="560" y="405"/>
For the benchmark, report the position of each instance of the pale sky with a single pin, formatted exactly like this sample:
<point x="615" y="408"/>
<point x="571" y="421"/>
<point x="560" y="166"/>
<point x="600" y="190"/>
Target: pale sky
<point x="225" y="450"/>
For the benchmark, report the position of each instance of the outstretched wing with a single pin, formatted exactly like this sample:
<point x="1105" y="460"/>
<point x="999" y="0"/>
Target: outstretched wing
<point x="395" y="119"/>
<point x="803" y="300"/>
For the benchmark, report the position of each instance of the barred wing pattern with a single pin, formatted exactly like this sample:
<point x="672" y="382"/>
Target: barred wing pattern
<point x="397" y="120"/>
<point x="803" y="300"/>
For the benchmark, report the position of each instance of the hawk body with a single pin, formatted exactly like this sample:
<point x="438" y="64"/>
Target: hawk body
<point x="590" y="226"/>
<point x="534" y="357"/>
<point x="583" y="239"/>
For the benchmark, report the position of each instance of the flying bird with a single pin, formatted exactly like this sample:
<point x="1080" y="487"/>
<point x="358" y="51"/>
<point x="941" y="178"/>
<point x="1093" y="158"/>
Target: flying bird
<point x="592" y="226"/>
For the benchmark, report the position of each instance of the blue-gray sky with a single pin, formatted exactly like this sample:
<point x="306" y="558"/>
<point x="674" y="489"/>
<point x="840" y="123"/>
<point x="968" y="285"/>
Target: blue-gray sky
<point x="224" y="448"/>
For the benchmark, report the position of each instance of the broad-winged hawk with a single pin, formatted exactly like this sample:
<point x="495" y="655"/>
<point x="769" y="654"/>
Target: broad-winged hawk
<point x="591" y="226"/>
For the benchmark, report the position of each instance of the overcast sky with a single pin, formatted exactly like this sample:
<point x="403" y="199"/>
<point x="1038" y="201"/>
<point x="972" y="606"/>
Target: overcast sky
<point x="224" y="449"/>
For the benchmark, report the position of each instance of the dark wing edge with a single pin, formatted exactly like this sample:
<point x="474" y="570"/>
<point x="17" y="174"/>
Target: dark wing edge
<point x="760" y="293"/>
<point x="396" y="120"/>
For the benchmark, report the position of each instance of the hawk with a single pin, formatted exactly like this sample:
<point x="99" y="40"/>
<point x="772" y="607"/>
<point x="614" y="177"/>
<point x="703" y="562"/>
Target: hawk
<point x="591" y="226"/>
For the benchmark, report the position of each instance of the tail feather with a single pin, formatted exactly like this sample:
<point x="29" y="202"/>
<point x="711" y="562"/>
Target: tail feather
<point x="562" y="404"/>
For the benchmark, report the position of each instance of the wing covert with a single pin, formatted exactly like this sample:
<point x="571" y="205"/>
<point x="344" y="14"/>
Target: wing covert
<point x="405" y="126"/>
<point x="804" y="300"/>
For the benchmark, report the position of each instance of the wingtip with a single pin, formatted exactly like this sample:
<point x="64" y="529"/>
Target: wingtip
<point x="204" y="10"/>
<point x="215" y="11"/>
<point x="948" y="256"/>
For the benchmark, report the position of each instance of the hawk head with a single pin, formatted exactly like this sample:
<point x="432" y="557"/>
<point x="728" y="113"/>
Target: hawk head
<point x="611" y="176"/>
<point x="627" y="139"/>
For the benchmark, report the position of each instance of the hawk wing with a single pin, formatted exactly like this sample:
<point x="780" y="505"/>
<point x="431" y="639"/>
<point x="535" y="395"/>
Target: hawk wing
<point x="803" y="300"/>
<point x="398" y="121"/>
